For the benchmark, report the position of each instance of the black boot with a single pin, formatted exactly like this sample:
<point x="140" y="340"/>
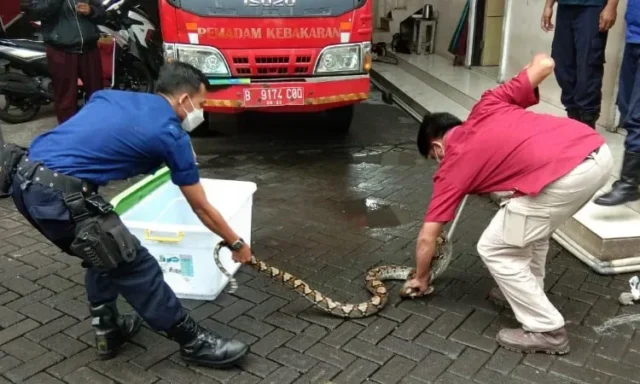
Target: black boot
<point x="111" y="328"/>
<point x="201" y="346"/>
<point x="589" y="118"/>
<point x="625" y="189"/>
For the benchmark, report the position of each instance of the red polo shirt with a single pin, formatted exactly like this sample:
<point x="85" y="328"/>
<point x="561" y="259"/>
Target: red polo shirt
<point x="504" y="147"/>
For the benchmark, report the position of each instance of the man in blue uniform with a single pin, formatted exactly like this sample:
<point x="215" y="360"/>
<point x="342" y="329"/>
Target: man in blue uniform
<point x="626" y="188"/>
<point x="118" y="135"/>
<point x="578" y="50"/>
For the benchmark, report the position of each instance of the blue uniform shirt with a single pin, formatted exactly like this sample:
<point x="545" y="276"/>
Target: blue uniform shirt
<point x="587" y="3"/>
<point x="118" y="135"/>
<point x="632" y="17"/>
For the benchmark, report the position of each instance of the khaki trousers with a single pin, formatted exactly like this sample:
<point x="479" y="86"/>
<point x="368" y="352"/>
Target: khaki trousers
<point x="515" y="244"/>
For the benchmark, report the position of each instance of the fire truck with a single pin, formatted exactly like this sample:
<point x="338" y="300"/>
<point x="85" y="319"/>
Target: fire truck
<point x="299" y="56"/>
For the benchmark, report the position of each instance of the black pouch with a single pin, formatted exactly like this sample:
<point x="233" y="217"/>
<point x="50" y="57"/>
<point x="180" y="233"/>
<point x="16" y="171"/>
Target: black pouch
<point x="104" y="241"/>
<point x="10" y="156"/>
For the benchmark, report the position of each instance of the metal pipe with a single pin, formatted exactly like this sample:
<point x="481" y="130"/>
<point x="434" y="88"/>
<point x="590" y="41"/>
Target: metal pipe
<point x="506" y="40"/>
<point x="471" y="33"/>
<point x="457" y="218"/>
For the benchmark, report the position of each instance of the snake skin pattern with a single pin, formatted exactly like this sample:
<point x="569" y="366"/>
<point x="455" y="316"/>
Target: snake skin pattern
<point x="373" y="282"/>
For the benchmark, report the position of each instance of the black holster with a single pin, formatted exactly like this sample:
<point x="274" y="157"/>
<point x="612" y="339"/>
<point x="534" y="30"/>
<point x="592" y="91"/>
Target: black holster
<point x="10" y="156"/>
<point x="101" y="238"/>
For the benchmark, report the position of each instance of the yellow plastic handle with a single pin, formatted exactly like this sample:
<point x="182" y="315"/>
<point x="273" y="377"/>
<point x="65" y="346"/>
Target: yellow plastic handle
<point x="163" y="239"/>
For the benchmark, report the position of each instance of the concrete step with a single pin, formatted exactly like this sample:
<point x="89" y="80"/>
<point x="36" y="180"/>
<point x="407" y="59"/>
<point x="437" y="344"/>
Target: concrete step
<point x="605" y="238"/>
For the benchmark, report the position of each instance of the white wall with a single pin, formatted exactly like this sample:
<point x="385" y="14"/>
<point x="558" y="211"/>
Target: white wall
<point x="449" y="12"/>
<point x="449" y="15"/>
<point x="527" y="39"/>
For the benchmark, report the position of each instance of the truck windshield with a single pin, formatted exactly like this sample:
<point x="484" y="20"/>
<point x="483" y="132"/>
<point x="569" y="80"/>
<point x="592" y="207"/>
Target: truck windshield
<point x="268" y="8"/>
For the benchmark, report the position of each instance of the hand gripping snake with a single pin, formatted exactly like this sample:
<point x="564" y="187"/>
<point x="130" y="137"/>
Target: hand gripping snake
<point x="373" y="279"/>
<point x="373" y="282"/>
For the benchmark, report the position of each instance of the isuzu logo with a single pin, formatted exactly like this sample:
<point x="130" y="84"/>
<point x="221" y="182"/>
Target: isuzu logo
<point x="269" y="3"/>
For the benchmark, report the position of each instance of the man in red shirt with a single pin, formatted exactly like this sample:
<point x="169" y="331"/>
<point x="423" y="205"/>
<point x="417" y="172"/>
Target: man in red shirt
<point x="553" y="166"/>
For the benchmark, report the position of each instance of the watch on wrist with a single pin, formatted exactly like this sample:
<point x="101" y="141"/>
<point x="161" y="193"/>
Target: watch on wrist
<point x="237" y="245"/>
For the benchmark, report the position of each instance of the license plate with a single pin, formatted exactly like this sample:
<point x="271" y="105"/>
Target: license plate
<point x="269" y="97"/>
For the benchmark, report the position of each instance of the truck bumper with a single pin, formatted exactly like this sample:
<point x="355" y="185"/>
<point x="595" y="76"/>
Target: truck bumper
<point x="319" y="94"/>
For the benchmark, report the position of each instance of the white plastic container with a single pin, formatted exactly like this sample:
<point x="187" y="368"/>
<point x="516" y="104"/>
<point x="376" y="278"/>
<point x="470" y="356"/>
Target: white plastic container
<point x="166" y="225"/>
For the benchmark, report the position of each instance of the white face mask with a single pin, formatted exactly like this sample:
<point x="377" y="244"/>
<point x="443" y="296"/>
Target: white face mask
<point x="193" y="119"/>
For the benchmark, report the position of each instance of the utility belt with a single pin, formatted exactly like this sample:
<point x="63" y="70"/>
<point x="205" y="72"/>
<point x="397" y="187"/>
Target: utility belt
<point x="100" y="238"/>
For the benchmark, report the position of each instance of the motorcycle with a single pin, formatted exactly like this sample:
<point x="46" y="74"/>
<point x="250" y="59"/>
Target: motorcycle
<point x="131" y="52"/>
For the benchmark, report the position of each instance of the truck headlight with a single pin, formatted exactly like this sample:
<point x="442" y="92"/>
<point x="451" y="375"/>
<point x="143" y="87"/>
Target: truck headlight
<point x="346" y="58"/>
<point x="207" y="59"/>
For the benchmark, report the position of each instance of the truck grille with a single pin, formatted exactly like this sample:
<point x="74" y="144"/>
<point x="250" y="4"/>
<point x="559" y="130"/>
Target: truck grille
<point x="264" y="63"/>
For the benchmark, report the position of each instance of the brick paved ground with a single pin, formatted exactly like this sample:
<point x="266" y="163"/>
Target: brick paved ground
<point x="305" y="223"/>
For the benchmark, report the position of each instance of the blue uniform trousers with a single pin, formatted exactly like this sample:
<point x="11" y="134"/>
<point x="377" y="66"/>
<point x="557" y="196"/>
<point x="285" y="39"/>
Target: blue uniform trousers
<point x="140" y="282"/>
<point x="629" y="96"/>
<point x="578" y="50"/>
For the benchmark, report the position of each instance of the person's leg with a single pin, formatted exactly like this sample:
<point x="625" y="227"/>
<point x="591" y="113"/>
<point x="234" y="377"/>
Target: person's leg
<point x="538" y="252"/>
<point x="45" y="209"/>
<point x="513" y="247"/>
<point x="626" y="188"/>
<point x="510" y="267"/>
<point x="626" y="82"/>
<point x="142" y="284"/>
<point x="563" y="53"/>
<point x="590" y="46"/>
<point x="63" y="67"/>
<point x="111" y="328"/>
<point x="90" y="71"/>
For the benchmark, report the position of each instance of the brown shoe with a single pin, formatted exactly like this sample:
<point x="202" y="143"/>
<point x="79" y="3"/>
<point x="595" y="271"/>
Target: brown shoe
<point x="497" y="297"/>
<point x="518" y="340"/>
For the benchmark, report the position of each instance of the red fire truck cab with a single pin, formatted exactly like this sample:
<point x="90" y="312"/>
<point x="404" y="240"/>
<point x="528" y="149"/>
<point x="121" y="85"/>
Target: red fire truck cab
<point x="9" y="14"/>
<point x="275" y="55"/>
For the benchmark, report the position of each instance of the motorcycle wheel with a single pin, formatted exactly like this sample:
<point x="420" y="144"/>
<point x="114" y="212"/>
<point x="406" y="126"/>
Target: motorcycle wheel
<point x="136" y="78"/>
<point x="26" y="110"/>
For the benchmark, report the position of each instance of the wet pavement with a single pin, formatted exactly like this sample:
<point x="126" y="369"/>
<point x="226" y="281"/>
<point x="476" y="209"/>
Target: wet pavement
<point x="327" y="208"/>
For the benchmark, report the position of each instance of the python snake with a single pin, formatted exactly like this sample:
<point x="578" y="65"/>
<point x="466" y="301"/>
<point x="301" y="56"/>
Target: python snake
<point x="373" y="282"/>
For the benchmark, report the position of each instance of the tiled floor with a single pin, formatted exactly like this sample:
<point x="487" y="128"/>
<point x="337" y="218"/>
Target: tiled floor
<point x="311" y="218"/>
<point x="435" y="84"/>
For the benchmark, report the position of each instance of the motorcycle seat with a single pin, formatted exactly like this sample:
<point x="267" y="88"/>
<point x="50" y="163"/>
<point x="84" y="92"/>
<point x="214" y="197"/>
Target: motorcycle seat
<point x="31" y="45"/>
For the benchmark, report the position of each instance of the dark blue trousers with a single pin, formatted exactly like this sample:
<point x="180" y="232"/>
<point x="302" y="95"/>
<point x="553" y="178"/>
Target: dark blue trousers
<point x="578" y="50"/>
<point x="629" y="96"/>
<point x="140" y="282"/>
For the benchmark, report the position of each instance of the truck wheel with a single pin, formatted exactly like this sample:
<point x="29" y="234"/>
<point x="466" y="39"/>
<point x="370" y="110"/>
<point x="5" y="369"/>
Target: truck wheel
<point x="340" y="119"/>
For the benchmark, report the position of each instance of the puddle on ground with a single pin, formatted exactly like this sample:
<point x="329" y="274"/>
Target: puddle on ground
<point x="372" y="213"/>
<point x="389" y="158"/>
